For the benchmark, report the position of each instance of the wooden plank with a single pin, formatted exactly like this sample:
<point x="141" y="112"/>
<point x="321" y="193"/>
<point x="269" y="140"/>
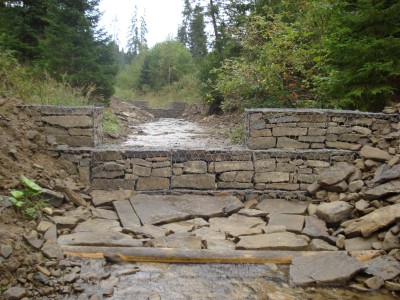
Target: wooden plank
<point x="126" y="213"/>
<point x="169" y="255"/>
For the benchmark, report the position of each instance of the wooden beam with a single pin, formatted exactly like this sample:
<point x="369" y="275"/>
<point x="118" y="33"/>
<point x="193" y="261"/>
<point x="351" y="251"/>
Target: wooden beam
<point x="169" y="255"/>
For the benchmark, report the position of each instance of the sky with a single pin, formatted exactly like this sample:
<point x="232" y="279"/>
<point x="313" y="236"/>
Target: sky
<point x="162" y="18"/>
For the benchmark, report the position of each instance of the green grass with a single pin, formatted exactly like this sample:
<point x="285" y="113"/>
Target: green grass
<point x="34" y="87"/>
<point x="235" y="134"/>
<point x="111" y="124"/>
<point x="186" y="90"/>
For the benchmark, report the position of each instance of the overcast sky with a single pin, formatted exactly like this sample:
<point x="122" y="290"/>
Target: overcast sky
<point x="162" y="17"/>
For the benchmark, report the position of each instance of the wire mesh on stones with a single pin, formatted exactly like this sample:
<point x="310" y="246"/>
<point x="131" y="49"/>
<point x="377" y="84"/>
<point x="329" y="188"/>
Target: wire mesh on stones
<point x="284" y="152"/>
<point x="315" y="129"/>
<point x="80" y="126"/>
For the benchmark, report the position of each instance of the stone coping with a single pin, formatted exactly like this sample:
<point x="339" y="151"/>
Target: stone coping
<point x="318" y="111"/>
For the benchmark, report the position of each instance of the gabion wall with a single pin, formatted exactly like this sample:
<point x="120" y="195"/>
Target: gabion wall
<point x="72" y="126"/>
<point x="287" y="149"/>
<point x="202" y="169"/>
<point x="315" y="129"/>
<point x="175" y="109"/>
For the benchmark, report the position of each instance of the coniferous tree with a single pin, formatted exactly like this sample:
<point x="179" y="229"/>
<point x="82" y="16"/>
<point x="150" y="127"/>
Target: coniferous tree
<point x="364" y="47"/>
<point x="197" y="35"/>
<point x="184" y="28"/>
<point x="133" y="45"/>
<point x="22" y="24"/>
<point x="75" y="50"/>
<point x="143" y="31"/>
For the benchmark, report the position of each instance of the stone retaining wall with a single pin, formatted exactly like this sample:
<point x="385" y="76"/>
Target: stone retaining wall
<point x="201" y="169"/>
<point x="315" y="129"/>
<point x="72" y="126"/>
<point x="174" y="110"/>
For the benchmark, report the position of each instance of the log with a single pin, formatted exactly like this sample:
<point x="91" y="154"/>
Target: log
<point x="170" y="255"/>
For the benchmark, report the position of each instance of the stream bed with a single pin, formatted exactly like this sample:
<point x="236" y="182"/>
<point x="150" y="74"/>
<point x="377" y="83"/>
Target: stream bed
<point x="158" y="281"/>
<point x="168" y="133"/>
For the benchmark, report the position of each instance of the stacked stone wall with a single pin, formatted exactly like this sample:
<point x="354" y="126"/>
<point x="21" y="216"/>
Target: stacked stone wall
<point x="316" y="129"/>
<point x="72" y="126"/>
<point x="174" y="110"/>
<point x="203" y="170"/>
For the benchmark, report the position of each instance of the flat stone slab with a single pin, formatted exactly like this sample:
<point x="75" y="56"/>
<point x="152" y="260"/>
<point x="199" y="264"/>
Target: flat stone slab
<point x="147" y="230"/>
<point x="388" y="188"/>
<point x="52" y="250"/>
<point x="185" y="226"/>
<point x="293" y="223"/>
<point x="387" y="175"/>
<point x="321" y="245"/>
<point x="220" y="245"/>
<point x="163" y="209"/>
<point x="101" y="197"/>
<point x="281" y="206"/>
<point x="386" y="267"/>
<point x="180" y="242"/>
<point x="273" y="241"/>
<point x="126" y="213"/>
<point x="108" y="239"/>
<point x="332" y="268"/>
<point x="334" y="175"/>
<point x="248" y="212"/>
<point x="237" y="225"/>
<point x="96" y="225"/>
<point x="360" y="243"/>
<point x="178" y="227"/>
<point x="104" y="214"/>
<point x="316" y="228"/>
<point x="373" y="221"/>
<point x="207" y="233"/>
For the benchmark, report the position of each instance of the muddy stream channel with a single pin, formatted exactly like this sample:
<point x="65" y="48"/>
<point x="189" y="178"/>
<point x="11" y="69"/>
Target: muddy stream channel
<point x="195" y="281"/>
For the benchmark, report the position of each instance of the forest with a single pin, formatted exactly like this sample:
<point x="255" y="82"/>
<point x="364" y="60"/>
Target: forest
<point x="342" y="54"/>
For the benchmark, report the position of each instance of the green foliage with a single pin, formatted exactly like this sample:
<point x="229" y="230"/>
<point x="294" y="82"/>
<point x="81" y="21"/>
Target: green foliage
<point x="236" y="134"/>
<point x="110" y="122"/>
<point x="274" y="66"/>
<point x="165" y="64"/>
<point x="306" y="53"/>
<point x="28" y="200"/>
<point x="61" y="38"/>
<point x="364" y="53"/>
<point x="35" y="87"/>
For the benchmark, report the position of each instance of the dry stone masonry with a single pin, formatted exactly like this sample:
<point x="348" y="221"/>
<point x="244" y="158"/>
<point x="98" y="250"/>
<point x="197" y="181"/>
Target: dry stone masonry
<point x="201" y="169"/>
<point x="175" y="109"/>
<point x="72" y="126"/>
<point x="315" y="129"/>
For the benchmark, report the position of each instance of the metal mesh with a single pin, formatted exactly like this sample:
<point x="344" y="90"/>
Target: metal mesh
<point x="285" y="150"/>
<point x="315" y="129"/>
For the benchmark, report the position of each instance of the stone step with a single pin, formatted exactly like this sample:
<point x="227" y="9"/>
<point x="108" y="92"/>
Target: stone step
<point x="161" y="209"/>
<point x="126" y="213"/>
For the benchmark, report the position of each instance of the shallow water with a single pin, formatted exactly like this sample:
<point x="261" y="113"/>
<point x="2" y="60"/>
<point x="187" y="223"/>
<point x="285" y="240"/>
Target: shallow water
<point x="175" y="134"/>
<point x="204" y="281"/>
